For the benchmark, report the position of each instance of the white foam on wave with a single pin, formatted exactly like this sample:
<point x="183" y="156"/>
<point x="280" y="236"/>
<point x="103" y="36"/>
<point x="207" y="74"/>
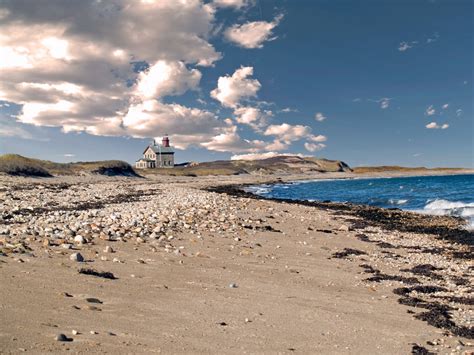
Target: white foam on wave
<point x="258" y="190"/>
<point x="397" y="202"/>
<point x="440" y="207"/>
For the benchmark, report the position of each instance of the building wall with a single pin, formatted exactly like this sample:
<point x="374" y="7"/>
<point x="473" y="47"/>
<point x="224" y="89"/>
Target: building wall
<point x="149" y="154"/>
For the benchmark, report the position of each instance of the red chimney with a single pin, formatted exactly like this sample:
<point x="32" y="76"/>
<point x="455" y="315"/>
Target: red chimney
<point x="165" y="142"/>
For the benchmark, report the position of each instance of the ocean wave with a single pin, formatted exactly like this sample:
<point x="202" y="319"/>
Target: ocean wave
<point x="440" y="207"/>
<point x="397" y="202"/>
<point x="258" y="190"/>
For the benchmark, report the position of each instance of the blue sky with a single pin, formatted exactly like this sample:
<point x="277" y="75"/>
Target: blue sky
<point x="392" y="79"/>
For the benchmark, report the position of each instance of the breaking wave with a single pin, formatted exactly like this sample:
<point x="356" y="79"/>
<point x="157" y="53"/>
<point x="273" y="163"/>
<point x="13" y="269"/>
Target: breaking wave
<point x="441" y="207"/>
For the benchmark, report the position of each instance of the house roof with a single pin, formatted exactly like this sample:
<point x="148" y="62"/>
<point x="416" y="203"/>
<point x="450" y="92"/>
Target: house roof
<point x="158" y="147"/>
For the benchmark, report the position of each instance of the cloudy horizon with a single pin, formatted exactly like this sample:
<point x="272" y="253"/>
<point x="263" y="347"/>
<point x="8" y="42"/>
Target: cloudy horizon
<point x="229" y="79"/>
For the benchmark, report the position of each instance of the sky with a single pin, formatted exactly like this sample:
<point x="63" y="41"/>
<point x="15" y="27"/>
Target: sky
<point x="369" y="82"/>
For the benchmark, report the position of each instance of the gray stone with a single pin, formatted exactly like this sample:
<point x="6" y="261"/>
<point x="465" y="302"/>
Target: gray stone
<point x="62" y="337"/>
<point x="77" y="257"/>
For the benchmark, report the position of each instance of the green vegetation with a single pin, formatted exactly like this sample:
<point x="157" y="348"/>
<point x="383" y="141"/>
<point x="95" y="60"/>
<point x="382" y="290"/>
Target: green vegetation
<point x="17" y="165"/>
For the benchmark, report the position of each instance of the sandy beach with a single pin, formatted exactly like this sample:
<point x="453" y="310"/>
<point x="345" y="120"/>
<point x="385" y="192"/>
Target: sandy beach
<point x="163" y="265"/>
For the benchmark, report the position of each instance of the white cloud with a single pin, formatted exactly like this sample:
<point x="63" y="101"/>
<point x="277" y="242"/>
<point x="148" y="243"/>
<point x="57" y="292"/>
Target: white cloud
<point x="277" y="145"/>
<point x="252" y="34"/>
<point x="254" y="117"/>
<point x="318" y="138"/>
<point x="445" y="106"/>
<point x="313" y="147"/>
<point x="14" y="131"/>
<point x="230" y="141"/>
<point x="404" y="46"/>
<point x="357" y="99"/>
<point x="69" y="155"/>
<point x="166" y="78"/>
<point x="288" y="109"/>
<point x="430" y="111"/>
<point x="434" y="125"/>
<point x="459" y="112"/>
<point x="432" y="39"/>
<point x="237" y="4"/>
<point x="71" y="71"/>
<point x="232" y="89"/>
<point x="319" y="117"/>
<point x="187" y="125"/>
<point x="384" y="103"/>
<point x="288" y="133"/>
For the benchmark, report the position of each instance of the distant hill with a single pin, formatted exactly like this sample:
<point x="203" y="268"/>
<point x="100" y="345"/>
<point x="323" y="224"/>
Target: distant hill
<point x="385" y="168"/>
<point x="280" y="164"/>
<point x="17" y="165"/>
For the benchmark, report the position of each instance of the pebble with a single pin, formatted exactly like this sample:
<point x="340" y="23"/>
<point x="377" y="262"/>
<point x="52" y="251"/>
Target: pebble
<point x="62" y="337"/>
<point x="344" y="228"/>
<point x="232" y="285"/>
<point x="79" y="239"/>
<point x="77" y="257"/>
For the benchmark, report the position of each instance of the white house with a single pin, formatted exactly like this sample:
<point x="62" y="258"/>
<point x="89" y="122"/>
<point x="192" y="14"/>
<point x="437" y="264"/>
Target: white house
<point x="157" y="156"/>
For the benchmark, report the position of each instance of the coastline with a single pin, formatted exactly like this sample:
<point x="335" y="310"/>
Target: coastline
<point x="198" y="270"/>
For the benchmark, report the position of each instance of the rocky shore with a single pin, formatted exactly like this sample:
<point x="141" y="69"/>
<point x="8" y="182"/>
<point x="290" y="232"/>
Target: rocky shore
<point x="196" y="265"/>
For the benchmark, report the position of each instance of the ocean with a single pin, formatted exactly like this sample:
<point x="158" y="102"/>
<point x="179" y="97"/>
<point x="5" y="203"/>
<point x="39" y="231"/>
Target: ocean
<point x="438" y="195"/>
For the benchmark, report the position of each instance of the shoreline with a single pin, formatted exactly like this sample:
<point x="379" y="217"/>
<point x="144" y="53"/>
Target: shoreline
<point x="245" y="187"/>
<point x="173" y="266"/>
<point x="447" y="227"/>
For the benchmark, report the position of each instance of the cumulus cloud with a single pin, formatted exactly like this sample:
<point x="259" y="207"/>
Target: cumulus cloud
<point x="232" y="89"/>
<point x="106" y="67"/>
<point x="434" y="125"/>
<point x="166" y="78"/>
<point x="230" y="141"/>
<point x="252" y="34"/>
<point x="319" y="117"/>
<point x="236" y="4"/>
<point x="318" y="138"/>
<point x="188" y="125"/>
<point x="288" y="133"/>
<point x="445" y="106"/>
<point x="254" y="117"/>
<point x="313" y="147"/>
<point x="430" y="111"/>
<point x="277" y="145"/>
<point x="77" y="71"/>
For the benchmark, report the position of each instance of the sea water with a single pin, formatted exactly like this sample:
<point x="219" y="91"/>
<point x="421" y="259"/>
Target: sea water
<point x="438" y="195"/>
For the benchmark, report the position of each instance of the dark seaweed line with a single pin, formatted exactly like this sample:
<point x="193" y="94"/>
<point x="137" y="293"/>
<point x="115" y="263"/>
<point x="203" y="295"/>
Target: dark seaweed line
<point x="388" y="219"/>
